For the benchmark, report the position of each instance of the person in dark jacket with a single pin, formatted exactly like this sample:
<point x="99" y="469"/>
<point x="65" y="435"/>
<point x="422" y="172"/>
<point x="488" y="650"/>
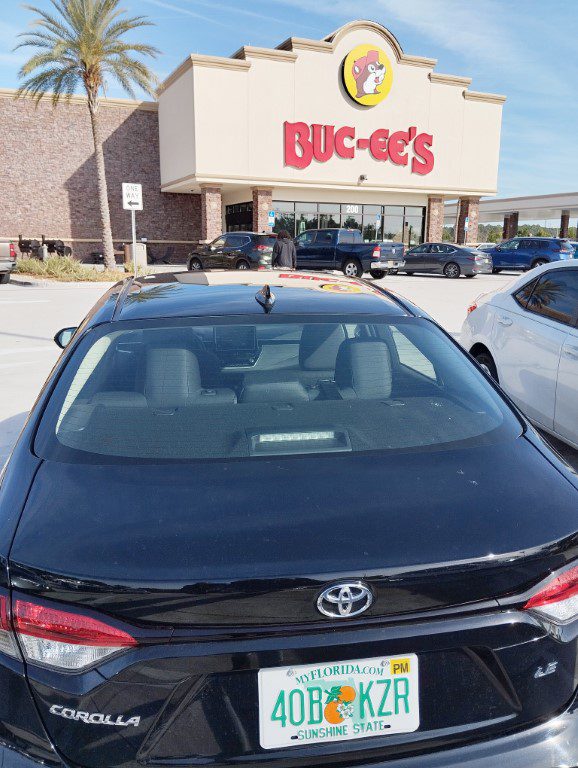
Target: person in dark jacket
<point x="284" y="253"/>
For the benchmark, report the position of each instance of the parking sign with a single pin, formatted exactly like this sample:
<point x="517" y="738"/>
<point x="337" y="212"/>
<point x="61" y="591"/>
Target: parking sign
<point x="132" y="197"/>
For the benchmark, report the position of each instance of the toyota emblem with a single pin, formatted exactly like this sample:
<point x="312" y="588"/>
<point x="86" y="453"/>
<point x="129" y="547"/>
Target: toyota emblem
<point x="343" y="601"/>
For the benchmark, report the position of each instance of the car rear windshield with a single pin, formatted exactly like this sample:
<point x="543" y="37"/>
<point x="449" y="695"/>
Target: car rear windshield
<point x="254" y="387"/>
<point x="267" y="240"/>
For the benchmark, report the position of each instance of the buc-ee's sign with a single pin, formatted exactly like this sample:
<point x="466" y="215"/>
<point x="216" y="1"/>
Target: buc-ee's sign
<point x="304" y="143"/>
<point x="367" y="77"/>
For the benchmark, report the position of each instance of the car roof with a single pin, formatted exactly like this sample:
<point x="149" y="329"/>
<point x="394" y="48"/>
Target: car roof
<point x="538" y="237"/>
<point x="243" y="232"/>
<point x="227" y="293"/>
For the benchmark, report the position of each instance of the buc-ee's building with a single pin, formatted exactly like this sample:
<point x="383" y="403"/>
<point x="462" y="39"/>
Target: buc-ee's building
<point x="346" y="131"/>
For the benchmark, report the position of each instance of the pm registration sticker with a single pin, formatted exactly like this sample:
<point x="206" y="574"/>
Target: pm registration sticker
<point x="338" y="701"/>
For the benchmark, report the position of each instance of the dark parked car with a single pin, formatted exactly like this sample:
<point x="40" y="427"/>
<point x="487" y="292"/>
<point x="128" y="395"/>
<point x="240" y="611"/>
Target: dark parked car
<point x="529" y="252"/>
<point x="345" y="249"/>
<point x="234" y="250"/>
<point x="447" y="259"/>
<point x="287" y="525"/>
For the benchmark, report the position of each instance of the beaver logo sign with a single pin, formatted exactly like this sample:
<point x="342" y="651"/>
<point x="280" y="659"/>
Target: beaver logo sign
<point x="367" y="75"/>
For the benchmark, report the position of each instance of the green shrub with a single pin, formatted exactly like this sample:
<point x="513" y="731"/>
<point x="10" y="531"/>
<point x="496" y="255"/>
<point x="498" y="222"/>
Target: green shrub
<point x="65" y="268"/>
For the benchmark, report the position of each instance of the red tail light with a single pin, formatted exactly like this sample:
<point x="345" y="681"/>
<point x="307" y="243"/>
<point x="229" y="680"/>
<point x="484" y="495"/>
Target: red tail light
<point x="472" y="306"/>
<point x="65" y="640"/>
<point x="262" y="248"/>
<point x="376" y="252"/>
<point x="7" y="640"/>
<point x="558" y="600"/>
<point x="51" y="624"/>
<point x="12" y="251"/>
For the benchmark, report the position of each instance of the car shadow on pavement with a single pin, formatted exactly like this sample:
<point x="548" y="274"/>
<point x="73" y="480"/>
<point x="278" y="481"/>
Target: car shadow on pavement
<point x="10" y="428"/>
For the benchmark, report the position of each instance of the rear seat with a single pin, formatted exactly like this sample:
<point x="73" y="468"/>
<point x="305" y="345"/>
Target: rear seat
<point x="275" y="392"/>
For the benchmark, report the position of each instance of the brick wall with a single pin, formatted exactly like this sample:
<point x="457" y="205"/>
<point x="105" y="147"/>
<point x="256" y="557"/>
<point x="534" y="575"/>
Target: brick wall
<point x="48" y="181"/>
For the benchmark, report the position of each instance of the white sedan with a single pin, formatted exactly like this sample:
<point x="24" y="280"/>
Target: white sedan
<point x="526" y="337"/>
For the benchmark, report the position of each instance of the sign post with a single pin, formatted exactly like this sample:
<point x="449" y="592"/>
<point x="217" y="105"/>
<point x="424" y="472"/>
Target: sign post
<point x="271" y="219"/>
<point x="132" y="201"/>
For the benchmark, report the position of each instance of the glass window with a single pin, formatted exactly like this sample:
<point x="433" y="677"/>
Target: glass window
<point x="349" y="237"/>
<point x="522" y="295"/>
<point x="284" y="221"/>
<point x="265" y="240"/>
<point x="394" y="210"/>
<point x="237" y="241"/>
<point x="352" y="222"/>
<point x="219" y="242"/>
<point x="414" y="210"/>
<point x="306" y="207"/>
<point x="393" y="227"/>
<point x="372" y="210"/>
<point x="325" y="238"/>
<point x="166" y="391"/>
<point x="329" y="220"/>
<point x="329" y="208"/>
<point x="370" y="229"/>
<point x="352" y="209"/>
<point x="509" y="245"/>
<point x="306" y="221"/>
<point x="280" y="205"/>
<point x="410" y="356"/>
<point x="414" y="227"/>
<point x="555" y="296"/>
<point x="307" y="238"/>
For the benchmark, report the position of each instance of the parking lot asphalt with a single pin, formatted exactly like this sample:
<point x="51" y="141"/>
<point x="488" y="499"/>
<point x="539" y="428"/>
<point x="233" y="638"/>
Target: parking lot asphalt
<point x="30" y="315"/>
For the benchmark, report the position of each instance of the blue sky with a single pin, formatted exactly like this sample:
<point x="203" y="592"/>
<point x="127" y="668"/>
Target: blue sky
<point x="525" y="49"/>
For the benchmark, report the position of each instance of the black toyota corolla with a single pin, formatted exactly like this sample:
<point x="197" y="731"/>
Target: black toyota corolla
<point x="290" y="525"/>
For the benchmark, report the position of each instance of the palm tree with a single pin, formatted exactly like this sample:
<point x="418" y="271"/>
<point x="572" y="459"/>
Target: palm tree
<point x="80" y="43"/>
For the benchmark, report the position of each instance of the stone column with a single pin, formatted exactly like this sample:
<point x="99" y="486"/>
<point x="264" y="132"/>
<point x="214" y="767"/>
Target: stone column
<point x="211" y="213"/>
<point x="435" y="220"/>
<point x="564" y="222"/>
<point x="512" y="225"/>
<point x="262" y="202"/>
<point x="468" y="207"/>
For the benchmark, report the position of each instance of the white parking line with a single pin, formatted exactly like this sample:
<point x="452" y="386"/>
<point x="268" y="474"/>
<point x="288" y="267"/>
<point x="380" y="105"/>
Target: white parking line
<point x="15" y="365"/>
<point x="23" y="301"/>
<point x="15" y="350"/>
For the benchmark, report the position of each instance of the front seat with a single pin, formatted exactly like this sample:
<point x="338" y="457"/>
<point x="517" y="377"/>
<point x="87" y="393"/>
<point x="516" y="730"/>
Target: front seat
<point x="173" y="380"/>
<point x="320" y="343"/>
<point x="318" y="349"/>
<point x="363" y="369"/>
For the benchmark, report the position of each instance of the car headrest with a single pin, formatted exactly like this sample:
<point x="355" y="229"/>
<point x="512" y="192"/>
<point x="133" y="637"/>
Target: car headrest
<point x="275" y="392"/>
<point x="319" y="346"/>
<point x="363" y="368"/>
<point x="172" y="377"/>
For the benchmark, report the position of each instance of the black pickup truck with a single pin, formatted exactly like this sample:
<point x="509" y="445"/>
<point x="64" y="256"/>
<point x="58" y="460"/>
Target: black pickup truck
<point x="344" y="249"/>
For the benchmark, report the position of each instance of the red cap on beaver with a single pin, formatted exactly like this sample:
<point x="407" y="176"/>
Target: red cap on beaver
<point x="371" y="57"/>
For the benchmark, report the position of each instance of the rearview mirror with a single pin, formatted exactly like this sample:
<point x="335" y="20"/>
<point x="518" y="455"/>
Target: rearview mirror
<point x="62" y="338"/>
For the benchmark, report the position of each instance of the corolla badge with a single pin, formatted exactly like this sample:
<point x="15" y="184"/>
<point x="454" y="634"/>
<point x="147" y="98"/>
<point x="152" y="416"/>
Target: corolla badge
<point x="344" y="600"/>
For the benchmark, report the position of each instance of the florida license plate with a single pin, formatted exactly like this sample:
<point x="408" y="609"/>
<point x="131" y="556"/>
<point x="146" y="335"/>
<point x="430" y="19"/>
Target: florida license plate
<point x="338" y="701"/>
